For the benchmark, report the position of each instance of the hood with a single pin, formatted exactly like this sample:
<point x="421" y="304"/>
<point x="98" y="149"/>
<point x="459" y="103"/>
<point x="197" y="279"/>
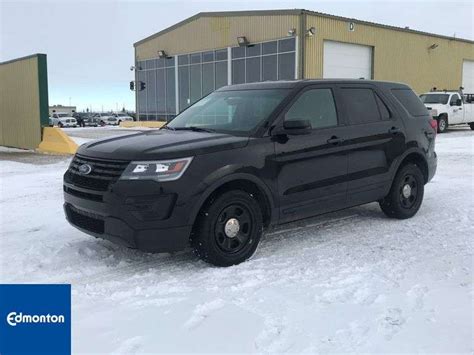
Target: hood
<point x="436" y="109"/>
<point x="435" y="106"/>
<point x="160" y="144"/>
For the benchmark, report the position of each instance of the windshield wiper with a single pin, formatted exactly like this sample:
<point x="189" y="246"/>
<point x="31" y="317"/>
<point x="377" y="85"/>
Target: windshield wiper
<point x="166" y="127"/>
<point x="195" y="129"/>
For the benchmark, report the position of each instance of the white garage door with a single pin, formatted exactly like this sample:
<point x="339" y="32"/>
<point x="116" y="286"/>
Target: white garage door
<point x="468" y="76"/>
<point x="346" y="60"/>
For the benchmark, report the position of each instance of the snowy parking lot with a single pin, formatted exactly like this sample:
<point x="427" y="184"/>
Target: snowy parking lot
<point x="347" y="281"/>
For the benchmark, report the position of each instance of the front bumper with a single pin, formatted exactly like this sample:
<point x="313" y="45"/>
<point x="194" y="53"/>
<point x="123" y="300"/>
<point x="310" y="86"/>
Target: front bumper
<point x="137" y="214"/>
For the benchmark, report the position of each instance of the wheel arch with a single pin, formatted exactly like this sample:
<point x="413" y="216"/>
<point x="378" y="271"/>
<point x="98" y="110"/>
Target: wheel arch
<point x="414" y="156"/>
<point x="242" y="181"/>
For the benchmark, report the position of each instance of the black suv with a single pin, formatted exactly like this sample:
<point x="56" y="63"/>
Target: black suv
<point x="250" y="156"/>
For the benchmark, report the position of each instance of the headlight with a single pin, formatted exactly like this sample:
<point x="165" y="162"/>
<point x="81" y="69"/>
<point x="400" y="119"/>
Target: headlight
<point x="161" y="170"/>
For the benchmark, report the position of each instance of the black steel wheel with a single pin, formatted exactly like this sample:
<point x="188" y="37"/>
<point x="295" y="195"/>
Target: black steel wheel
<point x="408" y="190"/>
<point x="228" y="229"/>
<point x="406" y="194"/>
<point x="233" y="227"/>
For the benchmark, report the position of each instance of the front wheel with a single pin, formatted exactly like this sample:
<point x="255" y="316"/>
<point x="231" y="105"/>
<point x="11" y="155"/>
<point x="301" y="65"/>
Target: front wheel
<point x="228" y="229"/>
<point x="442" y="124"/>
<point x="471" y="125"/>
<point x="406" y="194"/>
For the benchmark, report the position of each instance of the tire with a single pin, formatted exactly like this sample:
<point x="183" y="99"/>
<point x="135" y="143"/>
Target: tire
<point x="402" y="202"/>
<point x="442" y="124"/>
<point x="60" y="125"/>
<point x="218" y="239"/>
<point x="471" y="125"/>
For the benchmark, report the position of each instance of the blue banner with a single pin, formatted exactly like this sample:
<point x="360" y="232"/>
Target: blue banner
<point x="35" y="319"/>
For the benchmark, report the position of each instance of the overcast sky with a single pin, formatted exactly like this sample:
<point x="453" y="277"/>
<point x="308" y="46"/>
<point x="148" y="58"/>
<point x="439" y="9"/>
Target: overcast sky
<point x="90" y="43"/>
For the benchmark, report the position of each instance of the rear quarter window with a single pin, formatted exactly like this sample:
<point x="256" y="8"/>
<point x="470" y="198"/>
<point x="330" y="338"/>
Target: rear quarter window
<point x="412" y="104"/>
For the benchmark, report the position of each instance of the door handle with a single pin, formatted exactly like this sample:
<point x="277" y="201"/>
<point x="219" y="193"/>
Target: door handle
<point x="460" y="108"/>
<point x="394" y="130"/>
<point x="335" y="140"/>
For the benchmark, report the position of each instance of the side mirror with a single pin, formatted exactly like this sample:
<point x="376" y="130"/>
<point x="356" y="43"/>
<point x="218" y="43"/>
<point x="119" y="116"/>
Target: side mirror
<point x="294" y="127"/>
<point x="458" y="102"/>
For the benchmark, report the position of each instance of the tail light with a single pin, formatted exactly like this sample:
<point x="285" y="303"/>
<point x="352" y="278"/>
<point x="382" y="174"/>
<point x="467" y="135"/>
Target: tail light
<point x="434" y="125"/>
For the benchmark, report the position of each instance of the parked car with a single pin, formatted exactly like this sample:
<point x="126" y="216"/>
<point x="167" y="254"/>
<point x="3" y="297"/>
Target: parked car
<point x="122" y="117"/>
<point x="62" y="119"/>
<point x="90" y="121"/>
<point x="449" y="108"/>
<point x="106" y="119"/>
<point x="250" y="156"/>
<point x="85" y="119"/>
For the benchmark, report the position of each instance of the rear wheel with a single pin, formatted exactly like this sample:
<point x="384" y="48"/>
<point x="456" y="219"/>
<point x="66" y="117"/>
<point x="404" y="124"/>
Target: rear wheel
<point x="406" y="194"/>
<point x="471" y="125"/>
<point x="228" y="229"/>
<point x="60" y="125"/>
<point x="442" y="124"/>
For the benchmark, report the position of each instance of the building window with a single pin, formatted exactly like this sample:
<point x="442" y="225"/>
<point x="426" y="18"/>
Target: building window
<point x="201" y="73"/>
<point x="274" y="60"/>
<point x="157" y="101"/>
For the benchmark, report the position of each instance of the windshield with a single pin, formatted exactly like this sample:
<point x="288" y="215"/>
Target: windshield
<point x="237" y="112"/>
<point x="435" y="98"/>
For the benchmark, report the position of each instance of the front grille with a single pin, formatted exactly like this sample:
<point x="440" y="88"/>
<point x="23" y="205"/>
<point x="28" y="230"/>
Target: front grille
<point x="84" y="195"/>
<point x="103" y="173"/>
<point x="85" y="220"/>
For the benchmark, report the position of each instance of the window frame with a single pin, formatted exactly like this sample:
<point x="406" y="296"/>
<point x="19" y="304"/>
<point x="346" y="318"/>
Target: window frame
<point x="281" y="118"/>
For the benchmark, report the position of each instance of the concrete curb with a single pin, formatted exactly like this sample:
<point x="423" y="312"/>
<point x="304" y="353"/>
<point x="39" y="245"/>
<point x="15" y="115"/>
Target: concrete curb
<point x="56" y="141"/>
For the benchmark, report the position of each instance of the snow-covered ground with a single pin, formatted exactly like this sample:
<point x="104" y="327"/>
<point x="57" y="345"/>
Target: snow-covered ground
<point x="343" y="282"/>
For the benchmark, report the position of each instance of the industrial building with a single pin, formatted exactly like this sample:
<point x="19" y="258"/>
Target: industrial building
<point x="185" y="62"/>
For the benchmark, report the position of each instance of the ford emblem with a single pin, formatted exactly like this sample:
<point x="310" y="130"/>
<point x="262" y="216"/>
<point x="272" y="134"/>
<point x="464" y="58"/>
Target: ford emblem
<point x="85" y="169"/>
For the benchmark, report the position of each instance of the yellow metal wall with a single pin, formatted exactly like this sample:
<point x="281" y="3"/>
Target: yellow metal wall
<point x="398" y="56"/>
<point x="20" y="124"/>
<point x="216" y="32"/>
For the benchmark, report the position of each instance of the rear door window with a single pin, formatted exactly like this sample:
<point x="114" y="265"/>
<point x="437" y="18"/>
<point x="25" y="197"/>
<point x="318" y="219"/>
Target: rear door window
<point x="384" y="112"/>
<point x="410" y="102"/>
<point x="361" y="105"/>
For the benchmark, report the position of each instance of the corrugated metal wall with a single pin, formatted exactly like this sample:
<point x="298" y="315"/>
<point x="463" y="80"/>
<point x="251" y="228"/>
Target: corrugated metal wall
<point x="217" y="32"/>
<point x="398" y="56"/>
<point x="23" y="101"/>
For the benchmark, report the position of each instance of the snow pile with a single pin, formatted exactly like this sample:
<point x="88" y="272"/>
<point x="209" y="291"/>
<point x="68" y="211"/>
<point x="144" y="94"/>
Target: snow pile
<point x="348" y="281"/>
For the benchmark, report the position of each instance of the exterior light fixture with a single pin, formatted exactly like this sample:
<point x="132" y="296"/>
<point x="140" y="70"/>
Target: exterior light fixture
<point x="433" y="46"/>
<point x="132" y="68"/>
<point x="310" y="32"/>
<point x="242" y="41"/>
<point x="291" y="32"/>
<point x="162" y="53"/>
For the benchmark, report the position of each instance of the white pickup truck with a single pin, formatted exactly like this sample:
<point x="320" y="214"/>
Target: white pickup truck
<point x="62" y="119"/>
<point x="450" y="108"/>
